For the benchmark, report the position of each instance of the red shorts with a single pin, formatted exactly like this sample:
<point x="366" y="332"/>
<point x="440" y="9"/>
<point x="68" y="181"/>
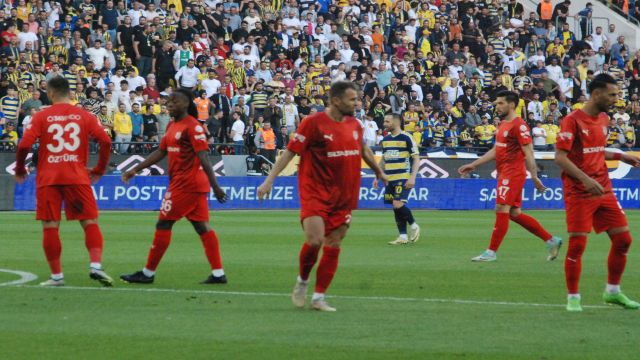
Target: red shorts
<point x="79" y="202"/>
<point x="176" y="205"/>
<point x="509" y="191"/>
<point x="333" y="218"/>
<point x="598" y="212"/>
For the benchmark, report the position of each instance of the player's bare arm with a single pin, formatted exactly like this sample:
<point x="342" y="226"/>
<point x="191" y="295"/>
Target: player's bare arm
<point x="369" y="159"/>
<point x="488" y="156"/>
<point x="530" y="163"/>
<point x="624" y="157"/>
<point x="265" y="188"/>
<point x="590" y="184"/>
<point x="150" y="160"/>
<point x="208" y="169"/>
<point x="375" y="179"/>
<point x="415" y="165"/>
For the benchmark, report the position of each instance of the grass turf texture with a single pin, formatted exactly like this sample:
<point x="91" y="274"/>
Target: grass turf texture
<point x="260" y="249"/>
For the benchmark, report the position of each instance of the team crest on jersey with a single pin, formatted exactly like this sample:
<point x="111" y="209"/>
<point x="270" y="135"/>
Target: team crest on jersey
<point x="505" y="181"/>
<point x="355" y="135"/>
<point x="199" y="128"/>
<point x="178" y="135"/>
<point x="505" y="134"/>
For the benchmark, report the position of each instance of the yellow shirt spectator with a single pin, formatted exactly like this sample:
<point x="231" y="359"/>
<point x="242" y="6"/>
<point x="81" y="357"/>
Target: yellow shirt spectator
<point x="122" y="123"/>
<point x="485" y="132"/>
<point x="552" y="131"/>
<point x="410" y="120"/>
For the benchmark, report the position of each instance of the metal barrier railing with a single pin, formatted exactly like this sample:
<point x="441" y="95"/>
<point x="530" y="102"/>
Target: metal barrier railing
<point x="610" y="4"/>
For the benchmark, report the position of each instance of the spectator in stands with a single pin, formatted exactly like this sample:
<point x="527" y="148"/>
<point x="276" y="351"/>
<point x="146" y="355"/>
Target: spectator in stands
<point x="539" y="137"/>
<point x="616" y="135"/>
<point x="237" y="133"/>
<point x="10" y="135"/>
<point x="123" y="128"/>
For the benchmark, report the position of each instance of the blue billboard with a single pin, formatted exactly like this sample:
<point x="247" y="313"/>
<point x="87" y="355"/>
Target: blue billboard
<point x="146" y="192"/>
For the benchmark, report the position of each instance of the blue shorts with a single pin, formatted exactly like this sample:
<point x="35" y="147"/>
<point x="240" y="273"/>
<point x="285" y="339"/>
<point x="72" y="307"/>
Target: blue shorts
<point x="396" y="191"/>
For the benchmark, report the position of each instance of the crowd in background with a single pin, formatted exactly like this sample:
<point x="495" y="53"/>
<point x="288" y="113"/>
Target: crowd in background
<point x="258" y="68"/>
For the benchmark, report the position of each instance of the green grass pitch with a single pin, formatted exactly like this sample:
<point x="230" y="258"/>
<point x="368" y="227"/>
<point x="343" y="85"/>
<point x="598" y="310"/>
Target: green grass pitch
<point x="421" y="301"/>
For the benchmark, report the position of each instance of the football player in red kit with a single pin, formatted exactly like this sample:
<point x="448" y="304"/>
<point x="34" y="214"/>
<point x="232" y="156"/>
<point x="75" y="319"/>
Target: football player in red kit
<point x="331" y="147"/>
<point x="64" y="131"/>
<point x="191" y="178"/>
<point x="513" y="154"/>
<point x="589" y="199"/>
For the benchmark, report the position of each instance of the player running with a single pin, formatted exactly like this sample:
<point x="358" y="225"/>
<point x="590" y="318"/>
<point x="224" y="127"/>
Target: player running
<point x="513" y="154"/>
<point x="400" y="160"/>
<point x="588" y="195"/>
<point x="331" y="147"/>
<point x="64" y="131"/>
<point x="191" y="178"/>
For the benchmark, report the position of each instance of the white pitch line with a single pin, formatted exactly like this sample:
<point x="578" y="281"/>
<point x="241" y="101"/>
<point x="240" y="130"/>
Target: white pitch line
<point x="346" y="297"/>
<point x="25" y="277"/>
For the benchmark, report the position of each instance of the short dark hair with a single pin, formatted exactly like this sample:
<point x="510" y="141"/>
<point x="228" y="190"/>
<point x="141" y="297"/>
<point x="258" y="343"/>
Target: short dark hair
<point x="600" y="82"/>
<point x="395" y="117"/>
<point x="58" y="85"/>
<point x="339" y="88"/>
<point x="509" y="96"/>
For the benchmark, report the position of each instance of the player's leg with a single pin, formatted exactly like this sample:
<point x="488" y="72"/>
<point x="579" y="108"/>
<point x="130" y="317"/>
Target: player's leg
<point x="573" y="268"/>
<point x="611" y="217"/>
<point x="532" y="225"/>
<point x="327" y="267"/>
<point x="314" y="230"/>
<point x="52" y="250"/>
<point x="211" y="246"/>
<point x="48" y="205"/>
<point x="94" y="241"/>
<point x="401" y="203"/>
<point x="500" y="229"/>
<point x="80" y="204"/>
<point x="401" y="223"/>
<point x="161" y="241"/>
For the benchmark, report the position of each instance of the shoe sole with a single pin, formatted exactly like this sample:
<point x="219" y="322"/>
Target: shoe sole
<point x="135" y="282"/>
<point x="323" y="309"/>
<point x="51" y="285"/>
<point x="483" y="260"/>
<point x="415" y="237"/>
<point x="621" y="305"/>
<point x="106" y="282"/>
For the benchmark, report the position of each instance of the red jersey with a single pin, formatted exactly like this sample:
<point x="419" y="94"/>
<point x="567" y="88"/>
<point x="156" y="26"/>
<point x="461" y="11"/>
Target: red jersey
<point x="64" y="131"/>
<point x="330" y="161"/>
<point x="510" y="138"/>
<point x="585" y="138"/>
<point x="182" y="140"/>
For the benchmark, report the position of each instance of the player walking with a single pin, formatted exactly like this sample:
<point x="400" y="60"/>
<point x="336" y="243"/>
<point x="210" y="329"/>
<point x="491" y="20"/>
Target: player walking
<point x="400" y="160"/>
<point x="589" y="198"/>
<point x="191" y="177"/>
<point x="331" y="147"/>
<point x="62" y="177"/>
<point x="513" y="154"/>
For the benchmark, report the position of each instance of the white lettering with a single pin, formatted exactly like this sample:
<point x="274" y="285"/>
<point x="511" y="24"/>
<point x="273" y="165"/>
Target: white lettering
<point x="342" y="153"/>
<point x="54" y="159"/>
<point x="591" y="150"/>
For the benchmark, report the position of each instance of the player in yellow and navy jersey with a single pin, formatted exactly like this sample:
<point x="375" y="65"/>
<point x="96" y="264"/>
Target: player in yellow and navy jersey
<point x="400" y="161"/>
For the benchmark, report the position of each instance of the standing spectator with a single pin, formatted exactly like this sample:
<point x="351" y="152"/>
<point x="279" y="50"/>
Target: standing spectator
<point x="265" y="141"/>
<point x="237" y="133"/>
<point x="552" y="130"/>
<point x="187" y="76"/>
<point x="370" y="133"/>
<point x="123" y="127"/>
<point x="539" y="137"/>
<point x="137" y="123"/>
<point x="290" y="114"/>
<point x="163" y="121"/>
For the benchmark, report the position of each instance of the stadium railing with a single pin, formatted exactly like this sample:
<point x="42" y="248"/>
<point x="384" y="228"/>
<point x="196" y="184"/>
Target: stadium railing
<point x="615" y="7"/>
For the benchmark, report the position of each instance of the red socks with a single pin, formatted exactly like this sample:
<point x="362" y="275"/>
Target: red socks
<point x="618" y="256"/>
<point x="212" y="249"/>
<point x="532" y="225"/>
<point x="499" y="231"/>
<point x="94" y="242"/>
<point x="573" y="262"/>
<point x="161" y="241"/>
<point x="52" y="248"/>
<point x="308" y="257"/>
<point x="327" y="268"/>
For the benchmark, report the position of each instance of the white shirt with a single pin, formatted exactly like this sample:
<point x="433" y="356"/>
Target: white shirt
<point x="345" y="55"/>
<point x="555" y="73"/>
<point x="238" y="130"/>
<point x="566" y="87"/>
<point x="189" y="76"/>
<point x="97" y="56"/>
<point x="290" y="112"/>
<point x="291" y="24"/>
<point x="134" y="82"/>
<point x="28" y="36"/>
<point x="598" y="41"/>
<point x="536" y="108"/>
<point x="251" y="21"/>
<point x="370" y="132"/>
<point x="211" y="86"/>
<point x="135" y="16"/>
<point x="539" y="136"/>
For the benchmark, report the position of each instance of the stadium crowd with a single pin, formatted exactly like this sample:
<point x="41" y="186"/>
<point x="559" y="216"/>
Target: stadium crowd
<point x="257" y="68"/>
